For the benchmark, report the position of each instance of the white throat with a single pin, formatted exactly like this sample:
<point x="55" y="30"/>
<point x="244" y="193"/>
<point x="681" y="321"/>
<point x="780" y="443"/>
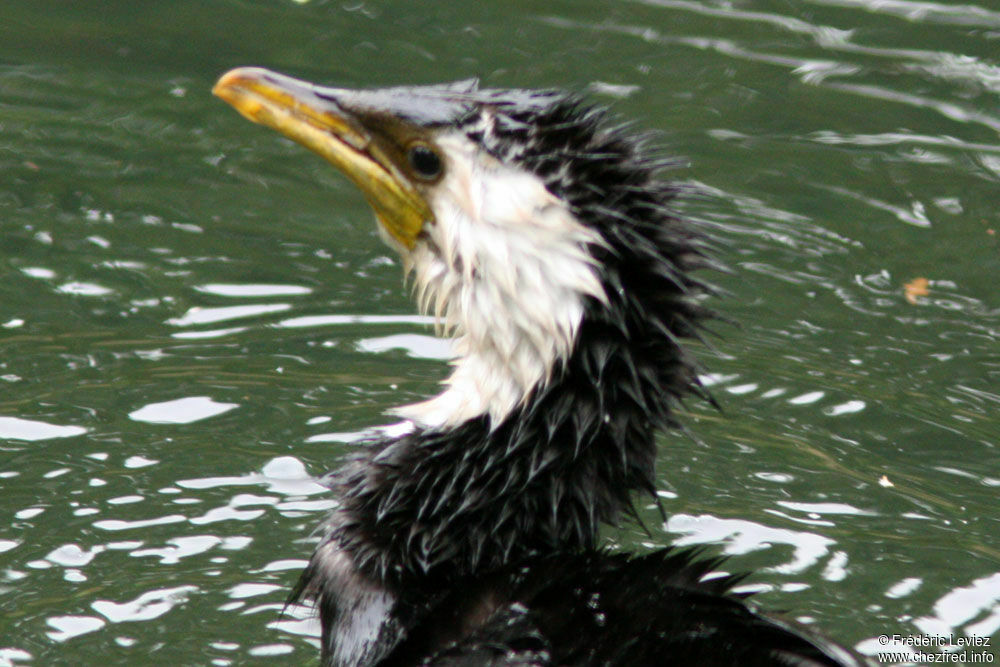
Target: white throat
<point x="506" y="267"/>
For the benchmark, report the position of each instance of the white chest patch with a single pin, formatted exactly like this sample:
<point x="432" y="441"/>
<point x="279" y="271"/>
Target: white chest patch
<point x="506" y="268"/>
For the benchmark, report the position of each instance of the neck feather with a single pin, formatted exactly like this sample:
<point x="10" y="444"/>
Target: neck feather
<point x="507" y="268"/>
<point x="469" y="497"/>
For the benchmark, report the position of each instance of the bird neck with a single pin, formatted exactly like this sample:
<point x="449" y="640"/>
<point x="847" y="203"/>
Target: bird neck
<point x="476" y="496"/>
<point x="460" y="497"/>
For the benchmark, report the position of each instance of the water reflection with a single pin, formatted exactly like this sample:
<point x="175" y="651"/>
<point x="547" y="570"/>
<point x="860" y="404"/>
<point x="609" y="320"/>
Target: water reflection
<point x="251" y="290"/>
<point x="15" y="428"/>
<point x="181" y="410"/>
<point x="203" y="315"/>
<point x="930" y="12"/>
<point x="285" y="475"/>
<point x="974" y="608"/>
<point x="181" y="547"/>
<point x="743" y="537"/>
<point x="415" y="345"/>
<point x="68" y="627"/>
<point x="288" y="486"/>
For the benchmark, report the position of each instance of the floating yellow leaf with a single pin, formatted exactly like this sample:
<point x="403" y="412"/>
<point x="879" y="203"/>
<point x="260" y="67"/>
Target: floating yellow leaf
<point x="916" y="287"/>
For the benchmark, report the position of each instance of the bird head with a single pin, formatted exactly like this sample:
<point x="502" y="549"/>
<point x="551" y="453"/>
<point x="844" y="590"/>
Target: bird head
<point x="521" y="215"/>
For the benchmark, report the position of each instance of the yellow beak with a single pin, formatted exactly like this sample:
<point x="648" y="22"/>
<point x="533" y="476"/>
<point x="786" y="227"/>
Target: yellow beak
<point x="295" y="109"/>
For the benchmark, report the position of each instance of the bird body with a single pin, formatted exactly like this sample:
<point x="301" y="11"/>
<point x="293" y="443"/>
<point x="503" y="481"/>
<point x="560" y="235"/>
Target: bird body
<point x="543" y="240"/>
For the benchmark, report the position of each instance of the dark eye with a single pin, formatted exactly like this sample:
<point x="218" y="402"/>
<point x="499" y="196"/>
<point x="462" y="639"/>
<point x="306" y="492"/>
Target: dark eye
<point x="425" y="162"/>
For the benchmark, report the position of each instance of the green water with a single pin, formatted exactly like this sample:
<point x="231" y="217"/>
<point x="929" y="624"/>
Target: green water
<point x="178" y="356"/>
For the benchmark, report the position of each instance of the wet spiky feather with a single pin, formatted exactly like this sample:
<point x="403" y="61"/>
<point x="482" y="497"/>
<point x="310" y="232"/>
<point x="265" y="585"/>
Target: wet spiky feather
<point x="476" y="496"/>
<point x="550" y="611"/>
<point x="549" y="248"/>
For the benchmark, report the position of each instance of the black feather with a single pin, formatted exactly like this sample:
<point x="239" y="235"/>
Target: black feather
<point x="476" y="544"/>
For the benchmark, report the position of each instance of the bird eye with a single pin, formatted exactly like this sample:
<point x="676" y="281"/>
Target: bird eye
<point x="425" y="161"/>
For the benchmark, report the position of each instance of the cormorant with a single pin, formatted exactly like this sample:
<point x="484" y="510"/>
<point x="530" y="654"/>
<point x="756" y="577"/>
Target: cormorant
<point x="542" y="239"/>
